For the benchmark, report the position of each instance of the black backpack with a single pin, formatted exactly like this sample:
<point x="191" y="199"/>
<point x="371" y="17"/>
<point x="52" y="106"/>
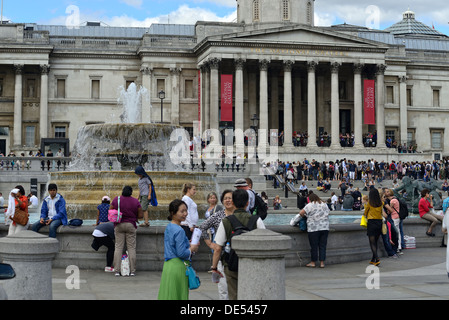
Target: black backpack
<point x="238" y="228"/>
<point x="260" y="207"/>
<point x="403" y="209"/>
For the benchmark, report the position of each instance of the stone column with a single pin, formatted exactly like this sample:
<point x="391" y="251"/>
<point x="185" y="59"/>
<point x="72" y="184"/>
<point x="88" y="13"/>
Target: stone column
<point x="239" y="113"/>
<point x="335" y="106"/>
<point x="174" y="113"/>
<point x="311" y="104"/>
<point x="358" y="106"/>
<point x="288" y="110"/>
<point x="206" y="96"/>
<point x="380" y="105"/>
<point x="263" y="94"/>
<point x="214" y="92"/>
<point x="403" y="109"/>
<point x="31" y="255"/>
<point x="146" y="83"/>
<point x="18" y="68"/>
<point x="261" y="264"/>
<point x="43" y="119"/>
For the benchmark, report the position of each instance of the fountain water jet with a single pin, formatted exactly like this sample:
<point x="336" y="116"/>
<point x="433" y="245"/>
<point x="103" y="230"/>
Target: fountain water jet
<point x="126" y="145"/>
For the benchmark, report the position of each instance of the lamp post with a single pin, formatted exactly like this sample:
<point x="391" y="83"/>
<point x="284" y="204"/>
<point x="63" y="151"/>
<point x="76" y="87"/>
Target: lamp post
<point x="162" y="97"/>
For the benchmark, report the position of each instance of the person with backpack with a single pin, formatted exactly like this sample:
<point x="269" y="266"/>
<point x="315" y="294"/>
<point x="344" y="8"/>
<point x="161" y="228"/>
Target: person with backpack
<point x="393" y="207"/>
<point x="233" y="225"/>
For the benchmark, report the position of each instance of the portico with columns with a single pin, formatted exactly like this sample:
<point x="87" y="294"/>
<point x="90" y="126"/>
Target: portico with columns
<point x="301" y="87"/>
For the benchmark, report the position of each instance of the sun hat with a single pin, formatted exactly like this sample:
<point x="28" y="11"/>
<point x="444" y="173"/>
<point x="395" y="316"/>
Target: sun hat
<point x="240" y="183"/>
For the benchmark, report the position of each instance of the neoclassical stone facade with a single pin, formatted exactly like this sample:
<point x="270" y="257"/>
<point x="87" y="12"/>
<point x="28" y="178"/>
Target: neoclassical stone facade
<point x="294" y="76"/>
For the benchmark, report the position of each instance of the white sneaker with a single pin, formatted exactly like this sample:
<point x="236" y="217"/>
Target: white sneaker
<point x="108" y="269"/>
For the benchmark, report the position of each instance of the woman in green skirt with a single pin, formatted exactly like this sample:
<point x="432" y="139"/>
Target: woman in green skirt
<point x="174" y="282"/>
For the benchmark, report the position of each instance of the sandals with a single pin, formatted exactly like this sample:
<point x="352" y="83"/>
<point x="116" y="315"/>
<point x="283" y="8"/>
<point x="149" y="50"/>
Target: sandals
<point x="312" y="265"/>
<point x="430" y="234"/>
<point x="144" y="224"/>
<point x="375" y="263"/>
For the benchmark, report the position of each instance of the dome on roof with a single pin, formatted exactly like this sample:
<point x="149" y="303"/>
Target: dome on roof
<point x="410" y="26"/>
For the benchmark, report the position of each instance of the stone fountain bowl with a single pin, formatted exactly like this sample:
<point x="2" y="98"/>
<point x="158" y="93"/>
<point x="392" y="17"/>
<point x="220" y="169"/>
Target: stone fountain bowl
<point x="84" y="190"/>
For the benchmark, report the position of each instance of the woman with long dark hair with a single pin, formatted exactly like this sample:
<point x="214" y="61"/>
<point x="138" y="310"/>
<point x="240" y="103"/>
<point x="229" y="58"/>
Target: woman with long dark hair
<point x="373" y="213"/>
<point x="177" y="249"/>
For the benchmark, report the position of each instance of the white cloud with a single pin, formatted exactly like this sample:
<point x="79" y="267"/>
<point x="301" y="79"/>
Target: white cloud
<point x="133" y="3"/>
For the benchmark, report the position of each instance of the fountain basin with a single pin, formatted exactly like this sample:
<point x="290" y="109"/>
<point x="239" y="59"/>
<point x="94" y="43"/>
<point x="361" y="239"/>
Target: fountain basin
<point x="83" y="190"/>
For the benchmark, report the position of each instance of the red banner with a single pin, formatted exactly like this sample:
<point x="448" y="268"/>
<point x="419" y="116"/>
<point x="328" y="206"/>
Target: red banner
<point x="226" y="97"/>
<point x="199" y="95"/>
<point x="370" y="102"/>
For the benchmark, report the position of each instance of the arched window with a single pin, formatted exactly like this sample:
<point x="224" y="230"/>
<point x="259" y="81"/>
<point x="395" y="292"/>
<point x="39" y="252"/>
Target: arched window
<point x="256" y="10"/>
<point x="286" y="9"/>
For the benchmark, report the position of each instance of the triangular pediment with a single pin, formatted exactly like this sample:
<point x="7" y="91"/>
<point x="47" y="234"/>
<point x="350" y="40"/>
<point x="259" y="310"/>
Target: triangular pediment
<point x="299" y="35"/>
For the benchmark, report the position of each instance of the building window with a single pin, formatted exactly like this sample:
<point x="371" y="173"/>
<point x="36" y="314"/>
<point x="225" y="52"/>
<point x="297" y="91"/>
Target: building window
<point x="286" y="9"/>
<point x="188" y="94"/>
<point x="31" y="88"/>
<point x="128" y="83"/>
<point x="60" y="132"/>
<point x="30" y="136"/>
<point x="95" y="90"/>
<point x="409" y="97"/>
<point x="256" y="10"/>
<point x="160" y="86"/>
<point x="60" y="88"/>
<point x="437" y="139"/>
<point x="436" y="98"/>
<point x="390" y="94"/>
<point x="390" y="134"/>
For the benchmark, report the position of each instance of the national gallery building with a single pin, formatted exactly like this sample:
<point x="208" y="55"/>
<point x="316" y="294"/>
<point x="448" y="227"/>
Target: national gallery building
<point x="331" y="92"/>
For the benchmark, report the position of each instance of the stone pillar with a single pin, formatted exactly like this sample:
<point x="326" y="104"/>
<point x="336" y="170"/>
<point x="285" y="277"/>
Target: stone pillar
<point x="214" y="92"/>
<point x="403" y="109"/>
<point x="311" y="104"/>
<point x="263" y="94"/>
<point x="380" y="105"/>
<point x="206" y="97"/>
<point x="261" y="264"/>
<point x="43" y="119"/>
<point x="358" y="106"/>
<point x="288" y="109"/>
<point x="335" y="106"/>
<point x="146" y="83"/>
<point x="31" y="255"/>
<point x="18" y="106"/>
<point x="239" y="112"/>
<point x="174" y="113"/>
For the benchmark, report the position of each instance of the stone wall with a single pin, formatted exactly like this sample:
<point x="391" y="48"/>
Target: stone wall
<point x="346" y="243"/>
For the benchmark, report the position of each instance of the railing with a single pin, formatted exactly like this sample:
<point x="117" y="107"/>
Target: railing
<point x="54" y="164"/>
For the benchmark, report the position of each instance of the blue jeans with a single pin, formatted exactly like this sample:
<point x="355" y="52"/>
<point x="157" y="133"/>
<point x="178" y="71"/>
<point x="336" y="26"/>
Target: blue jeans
<point x="54" y="225"/>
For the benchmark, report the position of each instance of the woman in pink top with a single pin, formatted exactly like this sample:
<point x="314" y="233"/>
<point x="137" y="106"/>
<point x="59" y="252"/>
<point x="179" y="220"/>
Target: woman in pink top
<point x="393" y="210"/>
<point x="425" y="204"/>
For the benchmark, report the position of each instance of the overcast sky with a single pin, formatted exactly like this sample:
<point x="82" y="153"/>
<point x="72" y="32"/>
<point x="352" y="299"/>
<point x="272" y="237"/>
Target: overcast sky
<point x="142" y="13"/>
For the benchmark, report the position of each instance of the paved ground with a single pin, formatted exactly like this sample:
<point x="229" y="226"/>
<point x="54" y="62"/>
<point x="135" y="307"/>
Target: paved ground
<point x="418" y="274"/>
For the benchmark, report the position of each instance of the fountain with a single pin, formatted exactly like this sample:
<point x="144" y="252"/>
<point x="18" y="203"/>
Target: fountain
<point x="105" y="156"/>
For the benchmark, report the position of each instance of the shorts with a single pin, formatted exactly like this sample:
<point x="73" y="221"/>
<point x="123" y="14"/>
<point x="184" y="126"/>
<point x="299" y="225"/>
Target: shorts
<point x="144" y="202"/>
<point x="374" y="227"/>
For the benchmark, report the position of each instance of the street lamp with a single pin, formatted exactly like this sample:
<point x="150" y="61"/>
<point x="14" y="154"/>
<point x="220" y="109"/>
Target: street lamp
<point x="162" y="97"/>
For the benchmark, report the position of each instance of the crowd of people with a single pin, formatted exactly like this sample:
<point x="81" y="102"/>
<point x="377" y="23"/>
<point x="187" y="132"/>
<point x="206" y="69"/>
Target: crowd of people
<point x="361" y="170"/>
<point x="238" y="206"/>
